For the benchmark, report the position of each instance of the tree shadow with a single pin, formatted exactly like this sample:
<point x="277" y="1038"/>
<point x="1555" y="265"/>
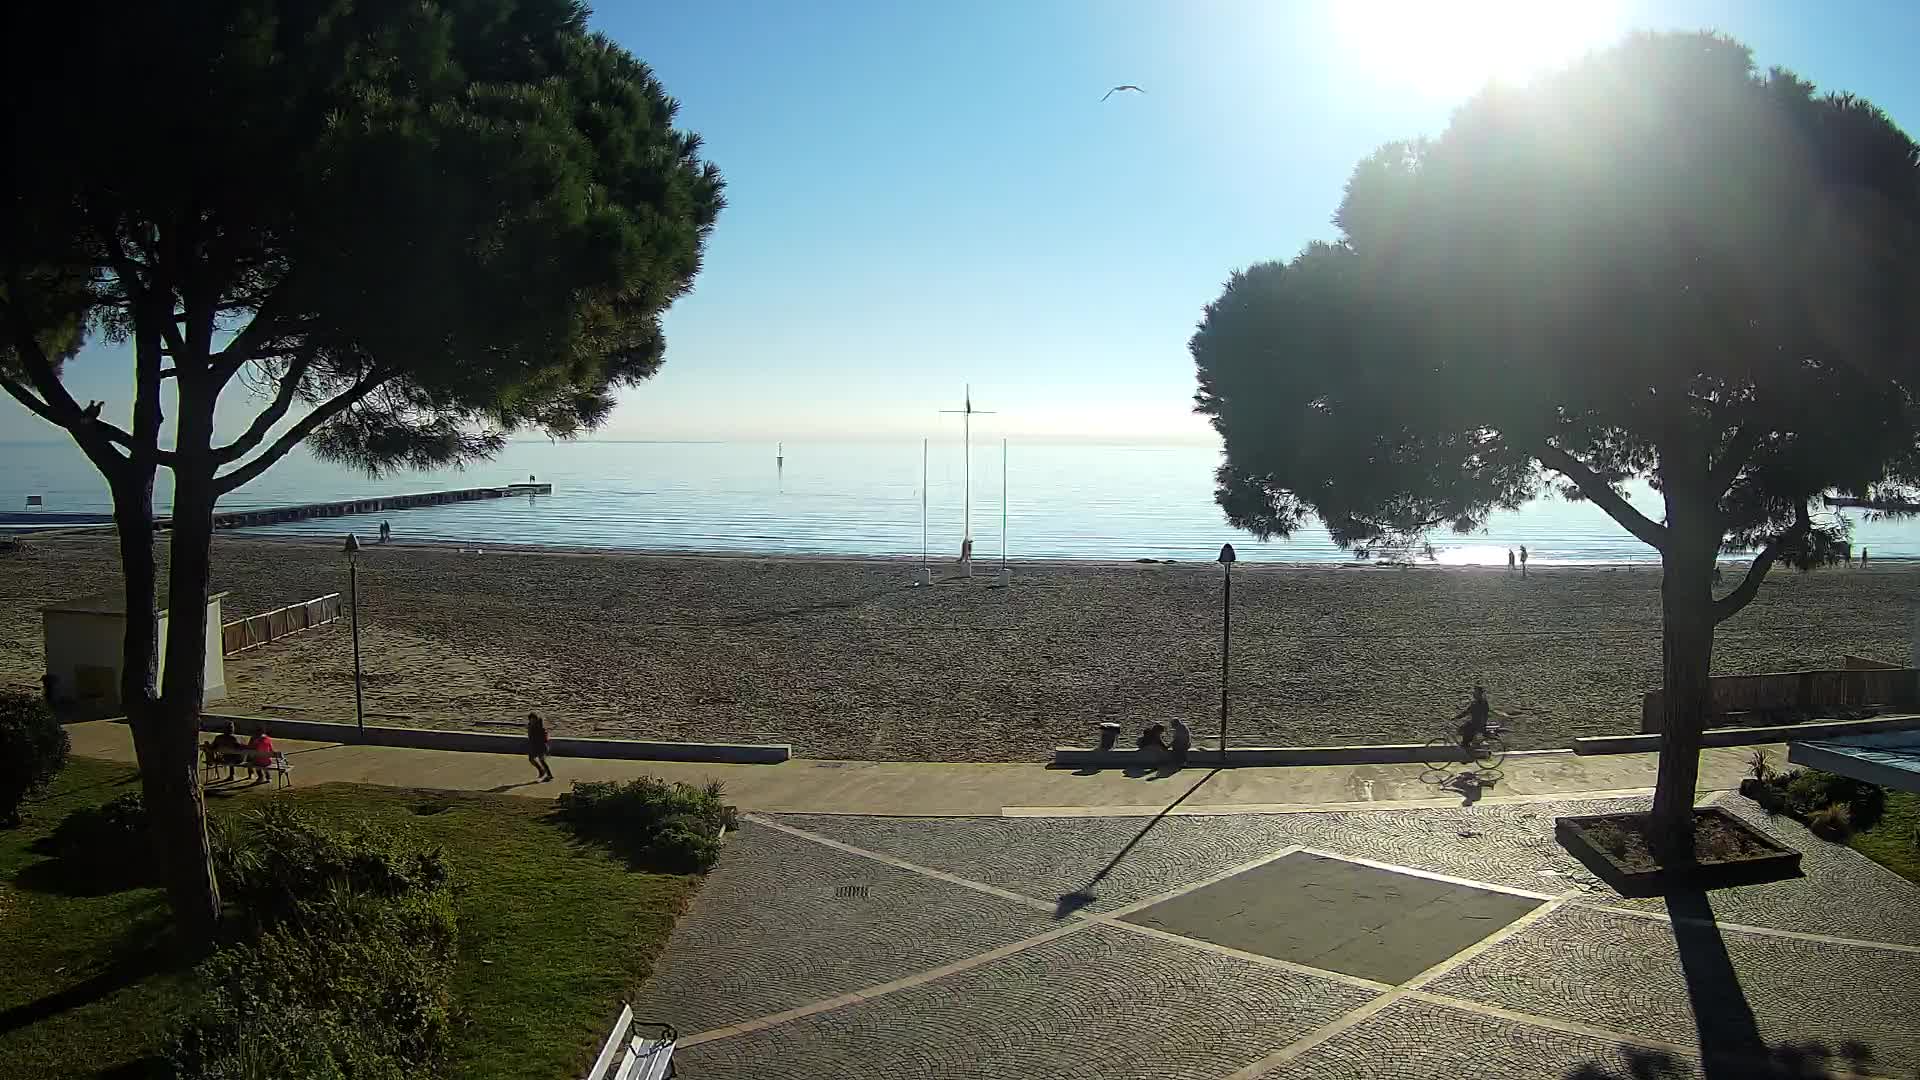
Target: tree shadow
<point x="147" y="948"/>
<point x="1084" y="895"/>
<point x="1730" y="1044"/>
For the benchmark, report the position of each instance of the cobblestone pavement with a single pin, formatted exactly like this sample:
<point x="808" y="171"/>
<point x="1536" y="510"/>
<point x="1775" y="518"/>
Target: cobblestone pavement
<point x="999" y="948"/>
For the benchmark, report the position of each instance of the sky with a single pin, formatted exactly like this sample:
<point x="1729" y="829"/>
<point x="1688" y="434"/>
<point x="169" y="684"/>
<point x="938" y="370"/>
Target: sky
<point x="923" y="197"/>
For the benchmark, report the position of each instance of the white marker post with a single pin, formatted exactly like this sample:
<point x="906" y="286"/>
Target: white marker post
<point x="966" y="528"/>
<point x="1006" y="576"/>
<point x="926" y="572"/>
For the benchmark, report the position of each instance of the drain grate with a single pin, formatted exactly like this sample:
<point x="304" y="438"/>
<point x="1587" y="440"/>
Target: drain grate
<point x="850" y="892"/>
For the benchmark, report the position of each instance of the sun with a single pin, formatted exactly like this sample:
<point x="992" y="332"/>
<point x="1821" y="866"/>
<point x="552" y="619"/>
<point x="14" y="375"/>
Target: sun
<point x="1450" y="48"/>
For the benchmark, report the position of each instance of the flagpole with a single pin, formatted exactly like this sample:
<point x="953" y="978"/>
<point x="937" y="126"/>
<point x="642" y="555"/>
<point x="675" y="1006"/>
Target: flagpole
<point x="925" y="574"/>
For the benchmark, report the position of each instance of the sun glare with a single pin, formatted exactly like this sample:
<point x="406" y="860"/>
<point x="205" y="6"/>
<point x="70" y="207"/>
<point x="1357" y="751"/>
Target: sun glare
<point x="1450" y="49"/>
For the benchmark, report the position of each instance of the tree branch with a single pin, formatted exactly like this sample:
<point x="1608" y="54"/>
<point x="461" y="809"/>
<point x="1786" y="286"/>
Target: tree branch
<point x="1729" y="605"/>
<point x="1738" y="452"/>
<point x="56" y="405"/>
<point x="1596" y="488"/>
<point x="258" y="331"/>
<point x="262" y="424"/>
<point x="302" y="428"/>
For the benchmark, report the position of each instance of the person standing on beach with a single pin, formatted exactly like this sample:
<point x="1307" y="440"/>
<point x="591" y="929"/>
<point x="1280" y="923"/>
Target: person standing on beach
<point x="386" y="531"/>
<point x="537" y="742"/>
<point x="1523" y="560"/>
<point x="1863" y="558"/>
<point x="1509" y="560"/>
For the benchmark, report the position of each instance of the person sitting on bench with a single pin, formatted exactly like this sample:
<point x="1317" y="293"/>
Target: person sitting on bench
<point x="260" y="755"/>
<point x="226" y="749"/>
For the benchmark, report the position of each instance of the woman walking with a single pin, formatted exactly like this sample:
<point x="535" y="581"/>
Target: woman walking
<point x="537" y="741"/>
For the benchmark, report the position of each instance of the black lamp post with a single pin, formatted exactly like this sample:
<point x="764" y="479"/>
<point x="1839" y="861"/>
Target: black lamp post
<point x="353" y="606"/>
<point x="1226" y="643"/>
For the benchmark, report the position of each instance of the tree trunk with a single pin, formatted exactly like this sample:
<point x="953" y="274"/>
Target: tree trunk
<point x="1686" y="609"/>
<point x="175" y="725"/>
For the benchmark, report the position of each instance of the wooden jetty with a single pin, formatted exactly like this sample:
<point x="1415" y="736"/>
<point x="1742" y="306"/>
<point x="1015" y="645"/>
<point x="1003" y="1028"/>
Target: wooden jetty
<point x="372" y="504"/>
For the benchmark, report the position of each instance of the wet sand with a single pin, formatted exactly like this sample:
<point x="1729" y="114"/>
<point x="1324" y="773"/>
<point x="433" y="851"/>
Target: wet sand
<point x="847" y="659"/>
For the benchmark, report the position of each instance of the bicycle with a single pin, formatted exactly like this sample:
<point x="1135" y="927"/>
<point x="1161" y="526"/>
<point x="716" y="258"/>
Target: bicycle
<point x="1485" y="752"/>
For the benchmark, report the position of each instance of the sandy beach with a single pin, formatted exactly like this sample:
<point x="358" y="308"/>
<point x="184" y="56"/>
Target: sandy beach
<point x="847" y="659"/>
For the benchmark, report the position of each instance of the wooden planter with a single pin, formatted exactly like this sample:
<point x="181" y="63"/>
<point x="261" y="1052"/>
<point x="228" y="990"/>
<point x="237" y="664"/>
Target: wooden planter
<point x="1632" y="874"/>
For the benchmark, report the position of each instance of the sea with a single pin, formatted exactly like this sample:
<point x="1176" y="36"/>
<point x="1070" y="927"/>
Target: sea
<point x="1059" y="501"/>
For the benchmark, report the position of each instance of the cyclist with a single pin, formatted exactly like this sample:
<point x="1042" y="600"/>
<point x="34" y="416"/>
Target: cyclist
<point x="1475" y="715"/>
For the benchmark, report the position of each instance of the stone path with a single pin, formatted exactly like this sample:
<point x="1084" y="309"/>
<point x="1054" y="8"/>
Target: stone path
<point x="1418" y="943"/>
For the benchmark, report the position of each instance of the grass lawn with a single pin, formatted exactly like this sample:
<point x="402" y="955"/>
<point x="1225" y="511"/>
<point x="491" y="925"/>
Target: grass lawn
<point x="552" y="935"/>
<point x="1891" y="840"/>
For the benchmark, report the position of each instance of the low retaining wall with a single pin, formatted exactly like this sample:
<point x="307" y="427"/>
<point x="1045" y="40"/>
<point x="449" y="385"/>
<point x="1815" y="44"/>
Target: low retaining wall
<point x="486" y="742"/>
<point x="1749" y="736"/>
<point x="1847" y="688"/>
<point x="1385" y="754"/>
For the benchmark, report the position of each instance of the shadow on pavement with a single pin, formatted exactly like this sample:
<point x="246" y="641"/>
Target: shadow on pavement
<point x="1084" y="895"/>
<point x="1730" y="1044"/>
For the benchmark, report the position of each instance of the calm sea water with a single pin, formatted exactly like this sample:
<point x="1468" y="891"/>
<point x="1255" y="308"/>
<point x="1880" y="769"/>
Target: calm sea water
<point x="1063" y="502"/>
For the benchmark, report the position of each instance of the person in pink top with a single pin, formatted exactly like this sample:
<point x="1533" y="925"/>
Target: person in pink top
<point x="260" y="754"/>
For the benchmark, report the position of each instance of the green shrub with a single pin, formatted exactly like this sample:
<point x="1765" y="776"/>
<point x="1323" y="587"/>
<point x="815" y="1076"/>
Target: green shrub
<point x="1832" y="822"/>
<point x="108" y="842"/>
<point x="274" y="860"/>
<point x="347" y="958"/>
<point x="33" y="747"/>
<point x="1811" y="790"/>
<point x="671" y="828"/>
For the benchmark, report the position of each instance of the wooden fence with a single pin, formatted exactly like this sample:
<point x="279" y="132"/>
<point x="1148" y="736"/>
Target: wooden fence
<point x="256" y="630"/>
<point x="1853" y="688"/>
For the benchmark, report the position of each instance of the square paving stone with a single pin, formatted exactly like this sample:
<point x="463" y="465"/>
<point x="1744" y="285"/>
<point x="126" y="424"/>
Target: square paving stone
<point x="784" y="922"/>
<point x="1627" y="973"/>
<point x="1339" y="915"/>
<point x="1100" y="1003"/>
<point x="1415" y="1040"/>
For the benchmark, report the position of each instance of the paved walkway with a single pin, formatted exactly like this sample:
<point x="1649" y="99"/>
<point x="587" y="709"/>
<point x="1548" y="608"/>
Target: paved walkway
<point x="1425" y="944"/>
<point x="1202" y="925"/>
<point x="941" y="789"/>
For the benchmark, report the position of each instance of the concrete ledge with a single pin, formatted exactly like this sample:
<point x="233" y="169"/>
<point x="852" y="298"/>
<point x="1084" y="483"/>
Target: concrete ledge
<point x="1749" y="736"/>
<point x="1384" y="754"/>
<point x="486" y="742"/>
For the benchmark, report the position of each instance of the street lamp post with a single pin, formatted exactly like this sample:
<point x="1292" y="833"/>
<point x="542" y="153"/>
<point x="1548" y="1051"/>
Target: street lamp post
<point x="353" y="606"/>
<point x="1226" y="643"/>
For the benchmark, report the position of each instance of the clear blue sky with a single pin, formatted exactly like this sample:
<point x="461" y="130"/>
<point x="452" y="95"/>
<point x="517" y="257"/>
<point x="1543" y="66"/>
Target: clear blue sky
<point x="923" y="196"/>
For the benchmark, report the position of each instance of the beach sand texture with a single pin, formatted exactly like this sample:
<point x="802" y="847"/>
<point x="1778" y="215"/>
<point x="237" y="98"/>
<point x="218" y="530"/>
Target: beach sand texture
<point x="847" y="659"/>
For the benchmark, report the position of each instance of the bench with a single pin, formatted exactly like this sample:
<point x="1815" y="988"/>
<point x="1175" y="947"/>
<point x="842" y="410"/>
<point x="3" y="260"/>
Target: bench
<point x="647" y="1054"/>
<point x="280" y="767"/>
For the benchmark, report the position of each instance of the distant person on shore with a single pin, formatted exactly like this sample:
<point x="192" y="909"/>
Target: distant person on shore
<point x="1153" y="738"/>
<point x="1509" y="560"/>
<point x="1523" y="560"/>
<point x="386" y="532"/>
<point x="1863" y="558"/>
<point x="537" y="743"/>
<point x="1182" y="741"/>
<point x="966" y="552"/>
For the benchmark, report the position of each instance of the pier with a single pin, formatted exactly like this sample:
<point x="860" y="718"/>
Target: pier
<point x="372" y="504"/>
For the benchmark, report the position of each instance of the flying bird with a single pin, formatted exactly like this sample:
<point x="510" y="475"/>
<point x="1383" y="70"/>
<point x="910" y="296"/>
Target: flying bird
<point x="1117" y="89"/>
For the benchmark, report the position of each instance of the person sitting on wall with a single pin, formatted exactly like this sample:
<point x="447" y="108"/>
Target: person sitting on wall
<point x="1153" y="738"/>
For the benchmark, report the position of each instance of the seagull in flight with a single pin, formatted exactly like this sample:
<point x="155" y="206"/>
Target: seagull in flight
<point x="1117" y="89"/>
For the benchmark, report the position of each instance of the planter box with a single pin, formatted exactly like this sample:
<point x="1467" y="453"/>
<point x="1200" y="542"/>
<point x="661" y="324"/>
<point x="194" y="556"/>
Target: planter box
<point x="1751" y="856"/>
